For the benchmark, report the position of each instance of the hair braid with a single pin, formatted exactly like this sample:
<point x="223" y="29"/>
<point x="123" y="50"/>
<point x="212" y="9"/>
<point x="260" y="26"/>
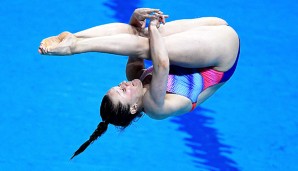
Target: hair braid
<point x="101" y="128"/>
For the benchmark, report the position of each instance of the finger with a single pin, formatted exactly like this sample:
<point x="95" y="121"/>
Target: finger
<point x="158" y="24"/>
<point x="45" y="50"/>
<point x="160" y="13"/>
<point x="165" y="16"/>
<point x="147" y="16"/>
<point x="161" y="18"/>
<point x="39" y="50"/>
<point x="164" y="19"/>
<point x="151" y="10"/>
<point x="146" y="9"/>
<point x="42" y="51"/>
<point x="154" y="17"/>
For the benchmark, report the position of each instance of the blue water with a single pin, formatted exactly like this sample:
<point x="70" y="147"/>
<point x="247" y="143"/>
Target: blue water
<point x="49" y="105"/>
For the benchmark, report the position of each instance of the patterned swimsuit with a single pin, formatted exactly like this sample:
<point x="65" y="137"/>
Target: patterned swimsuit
<point x="190" y="82"/>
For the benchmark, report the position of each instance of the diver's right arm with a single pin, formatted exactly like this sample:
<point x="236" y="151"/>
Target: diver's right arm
<point x="154" y="98"/>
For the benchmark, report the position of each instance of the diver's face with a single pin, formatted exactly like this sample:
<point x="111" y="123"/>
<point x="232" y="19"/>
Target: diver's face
<point x="127" y="93"/>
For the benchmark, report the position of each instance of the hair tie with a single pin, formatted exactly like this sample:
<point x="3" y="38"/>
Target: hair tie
<point x="106" y="122"/>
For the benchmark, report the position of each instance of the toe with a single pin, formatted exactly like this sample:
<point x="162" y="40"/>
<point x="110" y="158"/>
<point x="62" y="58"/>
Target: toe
<point x="39" y="51"/>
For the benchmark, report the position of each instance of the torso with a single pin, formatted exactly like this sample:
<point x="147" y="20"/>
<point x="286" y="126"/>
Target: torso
<point x="205" y="81"/>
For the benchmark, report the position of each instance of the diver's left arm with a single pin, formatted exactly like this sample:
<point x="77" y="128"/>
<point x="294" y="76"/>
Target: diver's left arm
<point x="134" y="68"/>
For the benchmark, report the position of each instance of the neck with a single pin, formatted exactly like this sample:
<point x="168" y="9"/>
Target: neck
<point x="146" y="87"/>
<point x="146" y="83"/>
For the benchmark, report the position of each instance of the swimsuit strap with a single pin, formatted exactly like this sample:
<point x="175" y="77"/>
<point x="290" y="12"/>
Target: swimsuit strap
<point x="147" y="72"/>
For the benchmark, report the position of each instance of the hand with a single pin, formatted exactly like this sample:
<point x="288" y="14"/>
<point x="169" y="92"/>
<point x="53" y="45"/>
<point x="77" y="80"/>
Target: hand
<point x="158" y="18"/>
<point x="141" y="14"/>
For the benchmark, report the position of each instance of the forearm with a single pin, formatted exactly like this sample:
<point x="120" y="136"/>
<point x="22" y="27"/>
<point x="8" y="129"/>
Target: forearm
<point x="159" y="54"/>
<point x="160" y="59"/>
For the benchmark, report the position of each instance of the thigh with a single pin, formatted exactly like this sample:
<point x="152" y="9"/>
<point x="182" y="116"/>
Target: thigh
<point x="202" y="47"/>
<point x="182" y="25"/>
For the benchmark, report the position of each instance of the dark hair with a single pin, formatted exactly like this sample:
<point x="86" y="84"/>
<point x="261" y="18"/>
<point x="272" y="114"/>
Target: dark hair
<point x="118" y="115"/>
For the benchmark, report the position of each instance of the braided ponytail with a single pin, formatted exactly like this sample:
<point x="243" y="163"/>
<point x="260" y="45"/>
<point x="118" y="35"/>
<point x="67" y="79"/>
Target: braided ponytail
<point x="116" y="114"/>
<point x="101" y="128"/>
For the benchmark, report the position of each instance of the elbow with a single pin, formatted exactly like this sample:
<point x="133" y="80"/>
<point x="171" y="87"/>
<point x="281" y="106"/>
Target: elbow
<point x="164" y="64"/>
<point x="162" y="59"/>
<point x="157" y="116"/>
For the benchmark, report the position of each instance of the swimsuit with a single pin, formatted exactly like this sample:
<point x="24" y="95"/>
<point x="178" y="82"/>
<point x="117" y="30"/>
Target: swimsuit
<point x="190" y="82"/>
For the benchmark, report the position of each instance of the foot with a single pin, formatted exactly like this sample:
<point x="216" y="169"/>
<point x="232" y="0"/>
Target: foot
<point x="58" y="45"/>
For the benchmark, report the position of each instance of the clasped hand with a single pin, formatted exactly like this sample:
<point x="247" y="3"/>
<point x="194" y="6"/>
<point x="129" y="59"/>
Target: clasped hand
<point x="155" y="15"/>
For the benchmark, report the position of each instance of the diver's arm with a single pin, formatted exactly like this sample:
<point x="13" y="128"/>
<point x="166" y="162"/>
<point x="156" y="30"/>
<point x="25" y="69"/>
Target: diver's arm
<point x="134" y="68"/>
<point x="155" y="97"/>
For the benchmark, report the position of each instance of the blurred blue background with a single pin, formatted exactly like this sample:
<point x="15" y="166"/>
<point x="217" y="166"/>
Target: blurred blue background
<point x="49" y="106"/>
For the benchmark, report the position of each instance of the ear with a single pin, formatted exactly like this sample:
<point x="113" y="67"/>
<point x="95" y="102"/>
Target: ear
<point x="133" y="109"/>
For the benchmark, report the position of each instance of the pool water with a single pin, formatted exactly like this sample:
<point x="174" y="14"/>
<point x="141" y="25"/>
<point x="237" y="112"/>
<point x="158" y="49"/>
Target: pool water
<point x="49" y="106"/>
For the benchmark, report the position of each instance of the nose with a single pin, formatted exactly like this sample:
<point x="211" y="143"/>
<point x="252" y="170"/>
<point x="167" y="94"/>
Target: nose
<point x="128" y="83"/>
<point x="124" y="84"/>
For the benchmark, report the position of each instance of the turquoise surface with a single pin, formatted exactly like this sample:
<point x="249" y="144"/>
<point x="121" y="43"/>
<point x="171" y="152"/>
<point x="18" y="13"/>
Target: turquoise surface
<point x="50" y="105"/>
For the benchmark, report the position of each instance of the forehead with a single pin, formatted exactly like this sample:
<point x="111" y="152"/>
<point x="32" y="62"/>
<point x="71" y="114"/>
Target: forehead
<point x="114" y="91"/>
<point x="115" y="95"/>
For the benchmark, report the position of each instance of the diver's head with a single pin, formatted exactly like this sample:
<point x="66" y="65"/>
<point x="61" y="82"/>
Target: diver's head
<point x="120" y="106"/>
<point x="121" y="102"/>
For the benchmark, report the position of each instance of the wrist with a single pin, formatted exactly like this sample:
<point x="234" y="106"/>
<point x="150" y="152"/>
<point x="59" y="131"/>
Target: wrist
<point x="153" y="26"/>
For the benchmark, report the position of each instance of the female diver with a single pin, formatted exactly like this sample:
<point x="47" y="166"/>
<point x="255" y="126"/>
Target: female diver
<point x="191" y="60"/>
